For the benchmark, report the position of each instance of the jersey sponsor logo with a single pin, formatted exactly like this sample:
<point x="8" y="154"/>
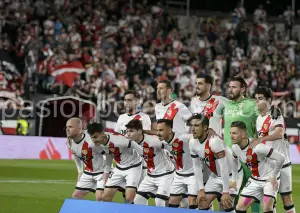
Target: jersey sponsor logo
<point x="148" y="154"/>
<point x="171" y="112"/>
<point x="177" y="152"/>
<point x="87" y="156"/>
<point x="210" y="107"/>
<point x="114" y="152"/>
<point x="252" y="162"/>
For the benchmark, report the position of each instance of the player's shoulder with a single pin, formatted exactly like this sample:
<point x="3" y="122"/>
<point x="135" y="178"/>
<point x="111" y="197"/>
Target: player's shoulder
<point x="122" y="116"/>
<point x="215" y="141"/>
<point x="261" y="148"/>
<point x="150" y="138"/>
<point x="144" y="115"/>
<point x="195" y="99"/>
<point x="220" y="98"/>
<point x="184" y="137"/>
<point x="249" y="101"/>
<point x="115" y="136"/>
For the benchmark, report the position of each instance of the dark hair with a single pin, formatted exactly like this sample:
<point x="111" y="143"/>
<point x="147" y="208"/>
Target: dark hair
<point x="239" y="124"/>
<point x="167" y="82"/>
<point x="95" y="127"/>
<point x="265" y="91"/>
<point x="167" y="122"/>
<point x="135" y="124"/>
<point x="133" y="92"/>
<point x="204" y="120"/>
<point x="207" y="78"/>
<point x="241" y="80"/>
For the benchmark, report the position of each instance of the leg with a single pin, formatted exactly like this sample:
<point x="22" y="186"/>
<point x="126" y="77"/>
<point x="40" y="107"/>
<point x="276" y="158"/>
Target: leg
<point x="192" y="188"/>
<point x="268" y="204"/>
<point x="99" y="194"/>
<point x="163" y="189"/>
<point x="109" y="193"/>
<point x="145" y="188"/>
<point x="243" y="204"/>
<point x="174" y="200"/>
<point x="192" y="202"/>
<point x="85" y="185"/>
<point x="285" y="189"/>
<point x="184" y="202"/>
<point x="205" y="204"/>
<point x="130" y="194"/>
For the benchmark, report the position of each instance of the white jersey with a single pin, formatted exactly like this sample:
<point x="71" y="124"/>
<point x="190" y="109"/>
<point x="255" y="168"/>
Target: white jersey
<point x="208" y="151"/>
<point x="122" y="151"/>
<point x="212" y="108"/>
<point x="265" y="125"/>
<point x="90" y="155"/>
<point x="179" y="148"/>
<point x="258" y="161"/>
<point x="157" y="160"/>
<point x="175" y="111"/>
<point x="125" y="118"/>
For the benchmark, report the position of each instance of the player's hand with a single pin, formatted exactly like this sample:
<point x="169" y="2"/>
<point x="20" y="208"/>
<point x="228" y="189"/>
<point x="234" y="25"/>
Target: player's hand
<point x="254" y="142"/>
<point x="226" y="201"/>
<point x="211" y="132"/>
<point x="275" y="112"/>
<point x="274" y="183"/>
<point x="79" y="176"/>
<point x="105" y="177"/>
<point x="201" y="196"/>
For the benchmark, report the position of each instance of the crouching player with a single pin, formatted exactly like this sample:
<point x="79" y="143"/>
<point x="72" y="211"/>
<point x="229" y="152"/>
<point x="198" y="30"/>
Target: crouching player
<point x="264" y="180"/>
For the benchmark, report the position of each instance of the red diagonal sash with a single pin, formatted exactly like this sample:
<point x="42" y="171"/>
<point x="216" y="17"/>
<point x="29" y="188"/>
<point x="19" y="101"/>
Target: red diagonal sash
<point x="210" y="107"/>
<point x="265" y="127"/>
<point x="171" y="112"/>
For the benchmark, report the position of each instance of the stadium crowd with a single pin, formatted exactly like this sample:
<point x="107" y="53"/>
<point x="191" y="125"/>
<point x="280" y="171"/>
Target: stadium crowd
<point x="119" y="47"/>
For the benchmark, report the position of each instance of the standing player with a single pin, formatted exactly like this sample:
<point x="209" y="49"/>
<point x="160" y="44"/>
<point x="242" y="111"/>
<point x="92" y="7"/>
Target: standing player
<point x="263" y="184"/>
<point x="131" y="102"/>
<point x="184" y="181"/>
<point x="171" y="109"/>
<point x="240" y="108"/>
<point x="213" y="153"/>
<point x="128" y="162"/>
<point x="271" y="132"/>
<point x="96" y="170"/>
<point x="211" y="106"/>
<point x="160" y="168"/>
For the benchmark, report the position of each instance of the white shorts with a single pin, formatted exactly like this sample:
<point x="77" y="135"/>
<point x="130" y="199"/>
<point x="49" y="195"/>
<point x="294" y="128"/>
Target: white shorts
<point x="128" y="177"/>
<point x="156" y="186"/>
<point x="285" y="186"/>
<point x="90" y="182"/>
<point x="214" y="185"/>
<point x="258" y="189"/>
<point x="183" y="185"/>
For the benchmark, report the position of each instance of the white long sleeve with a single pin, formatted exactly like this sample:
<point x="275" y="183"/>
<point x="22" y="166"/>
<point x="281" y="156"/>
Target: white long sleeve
<point x="108" y="163"/>
<point x="235" y="168"/>
<point x="279" y="158"/>
<point x="198" y="167"/>
<point x="224" y="173"/>
<point x="78" y="163"/>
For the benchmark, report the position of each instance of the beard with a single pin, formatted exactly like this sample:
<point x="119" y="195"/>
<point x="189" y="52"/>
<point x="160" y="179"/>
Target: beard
<point x="233" y="96"/>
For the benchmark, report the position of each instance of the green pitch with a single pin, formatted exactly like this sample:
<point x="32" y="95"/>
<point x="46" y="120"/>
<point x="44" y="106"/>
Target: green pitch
<point x="34" y="186"/>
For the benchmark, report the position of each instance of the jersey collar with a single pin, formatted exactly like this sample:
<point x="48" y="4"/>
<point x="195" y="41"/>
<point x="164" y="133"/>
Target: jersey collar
<point x="207" y="98"/>
<point x="80" y="139"/>
<point x="171" y="138"/>
<point x="246" y="145"/>
<point x="203" y="140"/>
<point x="168" y="103"/>
<point x="142" y="139"/>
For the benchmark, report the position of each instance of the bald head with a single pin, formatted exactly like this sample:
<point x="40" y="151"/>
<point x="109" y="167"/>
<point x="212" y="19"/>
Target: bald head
<point x="74" y="127"/>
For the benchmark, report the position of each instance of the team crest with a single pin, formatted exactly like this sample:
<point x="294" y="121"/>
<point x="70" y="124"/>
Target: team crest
<point x="207" y="151"/>
<point x="84" y="152"/>
<point x="249" y="157"/>
<point x="169" y="112"/>
<point x="241" y="105"/>
<point x="175" y="144"/>
<point x="146" y="150"/>
<point x="112" y="149"/>
<point x="209" y="106"/>
<point x="266" y="126"/>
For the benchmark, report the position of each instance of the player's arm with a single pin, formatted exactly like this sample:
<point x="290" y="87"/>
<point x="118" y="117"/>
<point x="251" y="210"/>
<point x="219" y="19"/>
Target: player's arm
<point x="146" y="123"/>
<point x="218" y="148"/>
<point x="265" y="151"/>
<point x="108" y="167"/>
<point x="235" y="166"/>
<point x="118" y="126"/>
<point x="218" y="114"/>
<point x="198" y="167"/>
<point x="79" y="166"/>
<point x="185" y="115"/>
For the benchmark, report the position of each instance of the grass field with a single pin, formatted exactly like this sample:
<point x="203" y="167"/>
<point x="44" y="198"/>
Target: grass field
<point x="34" y="186"/>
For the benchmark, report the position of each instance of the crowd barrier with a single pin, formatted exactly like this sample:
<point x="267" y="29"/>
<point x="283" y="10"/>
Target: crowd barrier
<point x="79" y="206"/>
<point x="50" y="148"/>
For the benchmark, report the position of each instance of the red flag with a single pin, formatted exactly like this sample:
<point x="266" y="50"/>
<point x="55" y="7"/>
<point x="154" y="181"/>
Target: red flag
<point x="67" y="73"/>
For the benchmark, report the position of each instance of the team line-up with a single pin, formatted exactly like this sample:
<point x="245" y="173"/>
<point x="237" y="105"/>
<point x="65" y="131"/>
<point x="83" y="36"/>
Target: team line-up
<point x="184" y="159"/>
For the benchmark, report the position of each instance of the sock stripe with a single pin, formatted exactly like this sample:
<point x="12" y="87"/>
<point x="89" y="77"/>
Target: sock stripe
<point x="269" y="212"/>
<point x="173" y="206"/>
<point x="288" y="207"/>
<point x="238" y="211"/>
<point x="229" y="210"/>
<point x="193" y="206"/>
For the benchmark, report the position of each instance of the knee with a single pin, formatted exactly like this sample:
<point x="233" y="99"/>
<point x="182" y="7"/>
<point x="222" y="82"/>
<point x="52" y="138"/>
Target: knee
<point x="173" y="201"/>
<point x="78" y="195"/>
<point x="106" y="197"/>
<point x="129" y="198"/>
<point x="287" y="199"/>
